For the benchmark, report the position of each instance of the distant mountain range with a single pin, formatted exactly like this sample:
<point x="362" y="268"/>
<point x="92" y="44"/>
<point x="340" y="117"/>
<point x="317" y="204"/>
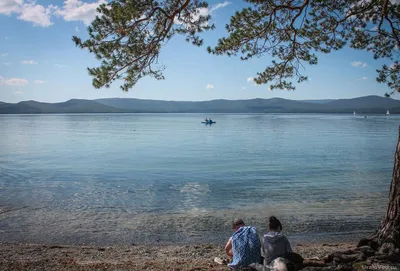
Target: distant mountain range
<point x="361" y="105"/>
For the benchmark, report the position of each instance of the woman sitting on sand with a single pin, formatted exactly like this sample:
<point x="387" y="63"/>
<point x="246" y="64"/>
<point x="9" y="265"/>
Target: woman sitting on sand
<point x="275" y="244"/>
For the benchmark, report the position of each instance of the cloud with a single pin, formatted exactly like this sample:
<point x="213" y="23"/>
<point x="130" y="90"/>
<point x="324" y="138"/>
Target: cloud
<point x="28" y="62"/>
<point x="202" y="12"/>
<point x="60" y="65"/>
<point x="5" y="54"/>
<point x="250" y="79"/>
<point x="193" y="17"/>
<point x="18" y="92"/>
<point x="362" y="78"/>
<point x="209" y="86"/>
<point x="218" y="6"/>
<point x="37" y="14"/>
<point x="29" y="12"/>
<point x="13" y="81"/>
<point x="10" y="6"/>
<point x="359" y="64"/>
<point x="394" y="66"/>
<point x="76" y="10"/>
<point x="6" y="63"/>
<point x="39" y="82"/>
<point x="243" y="88"/>
<point x="77" y="29"/>
<point x="72" y="10"/>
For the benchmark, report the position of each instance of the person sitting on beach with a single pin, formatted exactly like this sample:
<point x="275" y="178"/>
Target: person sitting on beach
<point x="244" y="245"/>
<point x="275" y="244"/>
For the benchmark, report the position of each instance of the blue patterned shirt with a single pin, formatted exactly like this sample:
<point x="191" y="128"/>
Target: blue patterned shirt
<point x="245" y="247"/>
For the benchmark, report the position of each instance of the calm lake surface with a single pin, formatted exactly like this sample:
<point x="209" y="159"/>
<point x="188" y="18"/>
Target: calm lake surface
<point x="110" y="179"/>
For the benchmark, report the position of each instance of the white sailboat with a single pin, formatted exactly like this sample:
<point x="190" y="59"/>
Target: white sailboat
<point x="354" y="113"/>
<point x="387" y="112"/>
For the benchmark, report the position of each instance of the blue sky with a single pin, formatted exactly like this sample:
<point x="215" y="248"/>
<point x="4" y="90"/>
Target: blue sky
<point x="39" y="61"/>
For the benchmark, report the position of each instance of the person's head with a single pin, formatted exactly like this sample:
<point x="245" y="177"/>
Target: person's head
<point x="237" y="223"/>
<point x="274" y="224"/>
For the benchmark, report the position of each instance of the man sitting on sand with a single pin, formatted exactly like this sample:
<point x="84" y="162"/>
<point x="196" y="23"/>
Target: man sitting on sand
<point x="244" y="245"/>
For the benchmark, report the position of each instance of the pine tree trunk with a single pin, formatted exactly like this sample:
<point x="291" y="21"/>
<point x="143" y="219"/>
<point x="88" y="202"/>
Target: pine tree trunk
<point x="388" y="233"/>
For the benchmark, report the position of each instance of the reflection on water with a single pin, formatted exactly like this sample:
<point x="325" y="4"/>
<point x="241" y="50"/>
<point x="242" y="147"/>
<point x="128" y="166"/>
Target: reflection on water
<point x="194" y="195"/>
<point x="142" y="178"/>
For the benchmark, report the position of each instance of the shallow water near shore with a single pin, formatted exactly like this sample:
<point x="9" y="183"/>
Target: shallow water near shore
<point x="109" y="179"/>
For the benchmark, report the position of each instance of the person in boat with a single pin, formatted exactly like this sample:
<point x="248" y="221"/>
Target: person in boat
<point x="244" y="245"/>
<point x="206" y="120"/>
<point x="210" y="120"/>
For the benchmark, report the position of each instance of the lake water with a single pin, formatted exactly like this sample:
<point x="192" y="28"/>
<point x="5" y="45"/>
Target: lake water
<point x="110" y="179"/>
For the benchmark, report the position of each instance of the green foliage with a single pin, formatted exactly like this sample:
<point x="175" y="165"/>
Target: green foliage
<point x="391" y="76"/>
<point x="292" y="32"/>
<point x="129" y="34"/>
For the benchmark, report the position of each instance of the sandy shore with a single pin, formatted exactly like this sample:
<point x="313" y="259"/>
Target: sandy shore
<point x="156" y="257"/>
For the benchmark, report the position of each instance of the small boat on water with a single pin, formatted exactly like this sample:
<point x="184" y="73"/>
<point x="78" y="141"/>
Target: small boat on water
<point x="387" y="113"/>
<point x="208" y="121"/>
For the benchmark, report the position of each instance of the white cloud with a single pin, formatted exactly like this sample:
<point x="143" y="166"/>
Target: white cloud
<point x="6" y="63"/>
<point x="29" y="12"/>
<point x="359" y="64"/>
<point x="60" y="65"/>
<point x="218" y="6"/>
<point x="37" y="14"/>
<point x="209" y="86"/>
<point x="13" y="81"/>
<point x="5" y="54"/>
<point x="394" y="66"/>
<point x="76" y="10"/>
<point x="362" y="78"/>
<point x="39" y="82"/>
<point x="243" y="88"/>
<point x="10" y="6"/>
<point x="203" y="12"/>
<point x="18" y="92"/>
<point x="251" y="80"/>
<point x="28" y="62"/>
<point x="193" y="17"/>
<point x="77" y="29"/>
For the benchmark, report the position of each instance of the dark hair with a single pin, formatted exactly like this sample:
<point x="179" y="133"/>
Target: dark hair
<point x="237" y="222"/>
<point x="274" y="224"/>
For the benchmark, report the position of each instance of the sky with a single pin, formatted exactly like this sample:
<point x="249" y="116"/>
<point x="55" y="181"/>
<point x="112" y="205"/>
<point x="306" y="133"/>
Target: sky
<point x="39" y="61"/>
